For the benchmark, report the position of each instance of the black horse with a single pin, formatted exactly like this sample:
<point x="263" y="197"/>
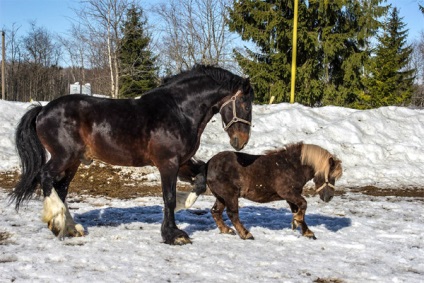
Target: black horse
<point x="161" y="129"/>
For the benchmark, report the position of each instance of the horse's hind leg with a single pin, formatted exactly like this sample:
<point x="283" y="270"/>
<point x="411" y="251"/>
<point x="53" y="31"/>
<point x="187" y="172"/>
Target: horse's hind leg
<point x="55" y="211"/>
<point x="298" y="206"/>
<point x="217" y="211"/>
<point x="61" y="186"/>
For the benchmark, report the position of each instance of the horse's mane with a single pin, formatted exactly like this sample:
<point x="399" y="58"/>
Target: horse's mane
<point x="221" y="76"/>
<point x="318" y="158"/>
<point x="313" y="155"/>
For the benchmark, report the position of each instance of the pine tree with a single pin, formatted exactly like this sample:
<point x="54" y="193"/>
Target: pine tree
<point x="138" y="70"/>
<point x="331" y="47"/>
<point x="390" y="82"/>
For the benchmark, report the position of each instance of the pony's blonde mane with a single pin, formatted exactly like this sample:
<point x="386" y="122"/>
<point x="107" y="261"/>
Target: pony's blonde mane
<point x="318" y="158"/>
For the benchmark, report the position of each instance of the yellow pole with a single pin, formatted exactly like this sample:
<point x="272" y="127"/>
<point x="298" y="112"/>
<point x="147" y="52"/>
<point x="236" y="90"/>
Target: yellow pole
<point x="294" y="52"/>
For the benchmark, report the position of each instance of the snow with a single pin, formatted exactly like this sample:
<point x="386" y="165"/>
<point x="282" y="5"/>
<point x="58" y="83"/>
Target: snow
<point x="360" y="238"/>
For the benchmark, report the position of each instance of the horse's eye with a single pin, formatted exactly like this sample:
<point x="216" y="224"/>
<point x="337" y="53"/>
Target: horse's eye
<point x="247" y="108"/>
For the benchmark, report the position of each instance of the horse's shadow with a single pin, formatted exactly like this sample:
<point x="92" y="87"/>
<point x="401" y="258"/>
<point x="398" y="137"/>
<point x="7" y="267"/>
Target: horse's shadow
<point x="201" y="219"/>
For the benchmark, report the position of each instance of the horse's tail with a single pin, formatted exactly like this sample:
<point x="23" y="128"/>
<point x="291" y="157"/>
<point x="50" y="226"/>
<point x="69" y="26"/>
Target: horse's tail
<point x="32" y="155"/>
<point x="195" y="173"/>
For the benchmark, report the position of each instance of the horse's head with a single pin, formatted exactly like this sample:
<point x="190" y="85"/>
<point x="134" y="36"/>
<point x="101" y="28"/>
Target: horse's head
<point x="236" y="115"/>
<point x="325" y="182"/>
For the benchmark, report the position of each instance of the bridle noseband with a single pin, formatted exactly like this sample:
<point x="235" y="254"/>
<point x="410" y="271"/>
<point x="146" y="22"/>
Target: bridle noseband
<point x="235" y="118"/>
<point x="324" y="185"/>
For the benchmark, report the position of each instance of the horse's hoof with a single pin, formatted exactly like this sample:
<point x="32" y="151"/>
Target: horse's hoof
<point x="57" y="231"/>
<point x="76" y="231"/>
<point x="176" y="237"/>
<point x="182" y="241"/>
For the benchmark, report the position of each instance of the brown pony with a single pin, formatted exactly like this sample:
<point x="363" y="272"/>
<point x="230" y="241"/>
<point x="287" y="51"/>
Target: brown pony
<point x="278" y="175"/>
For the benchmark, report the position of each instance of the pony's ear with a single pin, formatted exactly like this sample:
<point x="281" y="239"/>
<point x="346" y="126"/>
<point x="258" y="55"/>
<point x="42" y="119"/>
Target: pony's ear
<point x="335" y="166"/>
<point x="332" y="162"/>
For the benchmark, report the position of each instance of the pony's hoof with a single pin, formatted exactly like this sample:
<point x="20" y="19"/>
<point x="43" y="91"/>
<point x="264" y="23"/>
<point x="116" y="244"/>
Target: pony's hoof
<point x="309" y="234"/>
<point x="248" y="237"/>
<point x="228" y="230"/>
<point x="311" y="237"/>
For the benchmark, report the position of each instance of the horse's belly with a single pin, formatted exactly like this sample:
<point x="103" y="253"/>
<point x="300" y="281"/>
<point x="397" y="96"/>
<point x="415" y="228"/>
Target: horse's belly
<point x="260" y="194"/>
<point x="115" y="154"/>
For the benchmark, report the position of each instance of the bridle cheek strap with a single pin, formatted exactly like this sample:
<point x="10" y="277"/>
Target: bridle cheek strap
<point x="235" y="118"/>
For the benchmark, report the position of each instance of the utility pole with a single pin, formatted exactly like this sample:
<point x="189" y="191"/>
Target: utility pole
<point x="3" y="72"/>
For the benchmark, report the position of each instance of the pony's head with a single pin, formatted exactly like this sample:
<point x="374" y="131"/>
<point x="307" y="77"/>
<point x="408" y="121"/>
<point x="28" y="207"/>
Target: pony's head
<point x="236" y="115"/>
<point x="327" y="169"/>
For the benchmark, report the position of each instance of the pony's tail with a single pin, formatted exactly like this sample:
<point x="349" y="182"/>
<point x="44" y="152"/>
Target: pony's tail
<point x="195" y="173"/>
<point x="32" y="155"/>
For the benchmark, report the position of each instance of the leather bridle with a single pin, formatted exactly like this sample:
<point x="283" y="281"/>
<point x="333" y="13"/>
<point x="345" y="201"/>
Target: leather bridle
<point x="235" y="118"/>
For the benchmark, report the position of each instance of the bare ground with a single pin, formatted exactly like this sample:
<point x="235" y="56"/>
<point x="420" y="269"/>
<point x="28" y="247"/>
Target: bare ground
<point x="112" y="182"/>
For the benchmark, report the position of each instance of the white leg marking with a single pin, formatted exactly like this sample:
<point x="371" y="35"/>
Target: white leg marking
<point x="191" y="199"/>
<point x="181" y="199"/>
<point x="54" y="213"/>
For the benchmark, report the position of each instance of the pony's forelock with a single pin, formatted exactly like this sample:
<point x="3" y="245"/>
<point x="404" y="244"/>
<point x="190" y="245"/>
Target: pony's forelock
<point x="318" y="158"/>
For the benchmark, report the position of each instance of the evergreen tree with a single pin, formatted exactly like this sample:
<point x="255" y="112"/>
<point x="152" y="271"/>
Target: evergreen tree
<point x="138" y="71"/>
<point x="332" y="46"/>
<point x="389" y="81"/>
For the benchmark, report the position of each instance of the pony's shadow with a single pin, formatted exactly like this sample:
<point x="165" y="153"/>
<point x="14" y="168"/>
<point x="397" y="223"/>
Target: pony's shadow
<point x="194" y="220"/>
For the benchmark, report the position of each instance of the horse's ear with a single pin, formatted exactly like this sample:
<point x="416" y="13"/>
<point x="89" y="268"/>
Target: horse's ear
<point x="332" y="162"/>
<point x="246" y="86"/>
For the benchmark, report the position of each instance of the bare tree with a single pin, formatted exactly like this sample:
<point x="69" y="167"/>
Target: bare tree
<point x="14" y="66"/>
<point x="194" y="31"/>
<point x="417" y="63"/>
<point x="103" y="19"/>
<point x="76" y="46"/>
<point x="42" y="55"/>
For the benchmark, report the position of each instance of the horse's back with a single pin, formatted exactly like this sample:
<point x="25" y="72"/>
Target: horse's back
<point x="259" y="178"/>
<point x="87" y="127"/>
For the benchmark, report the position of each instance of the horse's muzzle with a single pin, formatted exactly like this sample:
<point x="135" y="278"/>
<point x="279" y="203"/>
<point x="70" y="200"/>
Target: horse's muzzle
<point x="237" y="144"/>
<point x="326" y="195"/>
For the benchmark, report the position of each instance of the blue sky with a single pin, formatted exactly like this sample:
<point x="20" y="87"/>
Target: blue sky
<point x="57" y="15"/>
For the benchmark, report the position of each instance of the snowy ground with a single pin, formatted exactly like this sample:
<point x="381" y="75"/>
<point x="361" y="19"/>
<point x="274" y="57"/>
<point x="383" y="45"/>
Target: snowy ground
<point x="360" y="238"/>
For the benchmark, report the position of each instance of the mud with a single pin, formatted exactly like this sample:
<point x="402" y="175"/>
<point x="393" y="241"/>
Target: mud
<point x="112" y="182"/>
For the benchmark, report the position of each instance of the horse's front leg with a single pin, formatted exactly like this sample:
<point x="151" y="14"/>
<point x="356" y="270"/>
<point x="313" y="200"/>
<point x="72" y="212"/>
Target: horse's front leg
<point x="233" y="214"/>
<point x="170" y="232"/>
<point x="216" y="212"/>
<point x="299" y="216"/>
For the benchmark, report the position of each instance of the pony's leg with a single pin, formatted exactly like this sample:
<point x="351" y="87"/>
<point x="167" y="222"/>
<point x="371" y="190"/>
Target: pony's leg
<point x="170" y="232"/>
<point x="233" y="214"/>
<point x="293" y="207"/>
<point x="55" y="212"/>
<point x="299" y="216"/>
<point x="61" y="187"/>
<point x="216" y="211"/>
